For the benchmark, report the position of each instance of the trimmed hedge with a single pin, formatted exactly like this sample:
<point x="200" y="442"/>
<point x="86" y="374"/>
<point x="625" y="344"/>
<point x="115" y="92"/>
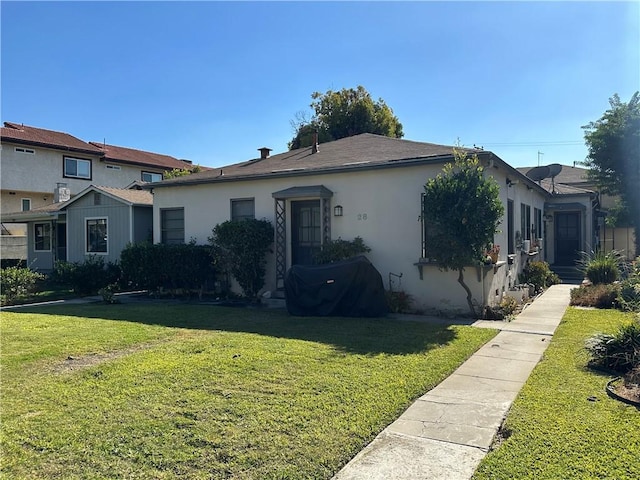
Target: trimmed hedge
<point x="157" y="266"/>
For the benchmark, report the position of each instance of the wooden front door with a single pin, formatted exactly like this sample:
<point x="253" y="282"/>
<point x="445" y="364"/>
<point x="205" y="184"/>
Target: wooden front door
<point x="306" y="232"/>
<point x="567" y="238"/>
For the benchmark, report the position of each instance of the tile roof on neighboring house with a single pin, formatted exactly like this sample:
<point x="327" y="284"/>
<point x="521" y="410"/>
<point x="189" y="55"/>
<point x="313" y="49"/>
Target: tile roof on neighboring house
<point x="364" y="151"/>
<point x="115" y="154"/>
<point x="26" y="135"/>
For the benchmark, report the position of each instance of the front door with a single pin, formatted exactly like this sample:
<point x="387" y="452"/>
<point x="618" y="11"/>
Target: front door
<point x="306" y="230"/>
<point x="567" y="238"/>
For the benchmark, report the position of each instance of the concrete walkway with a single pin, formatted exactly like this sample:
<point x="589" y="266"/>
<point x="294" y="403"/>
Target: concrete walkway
<point x="446" y="432"/>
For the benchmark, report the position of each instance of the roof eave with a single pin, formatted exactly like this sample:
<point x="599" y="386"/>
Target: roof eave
<point x="184" y="181"/>
<point x="52" y="146"/>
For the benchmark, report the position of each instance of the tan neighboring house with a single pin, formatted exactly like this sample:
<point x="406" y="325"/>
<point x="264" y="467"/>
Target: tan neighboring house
<point x="40" y="167"/>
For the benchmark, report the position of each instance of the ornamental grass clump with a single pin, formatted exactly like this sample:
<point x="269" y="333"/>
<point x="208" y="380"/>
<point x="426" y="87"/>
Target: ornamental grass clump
<point x="601" y="267"/>
<point x="619" y="351"/>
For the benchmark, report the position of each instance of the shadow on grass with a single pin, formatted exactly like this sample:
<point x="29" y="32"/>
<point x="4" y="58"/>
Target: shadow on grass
<point x="353" y="335"/>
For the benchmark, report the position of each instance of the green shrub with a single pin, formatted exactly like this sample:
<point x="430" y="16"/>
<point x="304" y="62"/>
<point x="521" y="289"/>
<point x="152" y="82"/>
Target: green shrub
<point x="629" y="295"/>
<point x="619" y="351"/>
<point x="539" y="275"/>
<point x="86" y="278"/>
<point x="241" y="247"/>
<point x="177" y="268"/>
<point x="597" y="296"/>
<point x="337" y="250"/>
<point x="16" y="282"/>
<point x="601" y="267"/>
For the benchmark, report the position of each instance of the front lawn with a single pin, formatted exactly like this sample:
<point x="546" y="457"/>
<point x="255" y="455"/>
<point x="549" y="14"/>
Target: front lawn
<point x="563" y="424"/>
<point x="191" y="391"/>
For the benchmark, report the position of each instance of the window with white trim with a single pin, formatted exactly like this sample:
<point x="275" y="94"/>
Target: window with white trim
<point x="151" y="177"/>
<point x="42" y="237"/>
<point x="96" y="235"/>
<point x="172" y="225"/>
<point x="26" y="204"/>
<point x="77" y="168"/>
<point x="243" y="209"/>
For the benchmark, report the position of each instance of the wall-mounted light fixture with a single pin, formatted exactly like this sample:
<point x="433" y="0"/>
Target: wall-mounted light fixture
<point x="337" y="211"/>
<point x="512" y="182"/>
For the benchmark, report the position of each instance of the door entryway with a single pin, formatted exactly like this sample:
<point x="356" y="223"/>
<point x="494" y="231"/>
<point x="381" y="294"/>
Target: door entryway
<point x="567" y="233"/>
<point x="306" y="231"/>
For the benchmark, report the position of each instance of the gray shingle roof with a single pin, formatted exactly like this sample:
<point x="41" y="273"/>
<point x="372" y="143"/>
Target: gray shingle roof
<point x="362" y="151"/>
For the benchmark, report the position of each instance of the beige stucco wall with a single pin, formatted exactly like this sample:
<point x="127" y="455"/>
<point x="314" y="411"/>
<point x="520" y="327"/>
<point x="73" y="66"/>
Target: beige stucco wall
<point x="35" y="176"/>
<point x="381" y="206"/>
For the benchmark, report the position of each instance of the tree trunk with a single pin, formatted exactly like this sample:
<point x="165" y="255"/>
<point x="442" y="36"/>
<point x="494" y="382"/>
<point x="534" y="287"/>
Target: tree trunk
<point x="466" y="289"/>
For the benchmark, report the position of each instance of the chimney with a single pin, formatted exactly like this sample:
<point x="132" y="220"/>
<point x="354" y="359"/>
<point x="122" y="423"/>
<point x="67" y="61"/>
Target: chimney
<point x="314" y="147"/>
<point x="264" y="152"/>
<point x="61" y="193"/>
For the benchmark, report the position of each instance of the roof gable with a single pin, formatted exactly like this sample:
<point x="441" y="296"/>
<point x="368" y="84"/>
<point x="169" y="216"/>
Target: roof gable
<point x="129" y="196"/>
<point x="24" y="134"/>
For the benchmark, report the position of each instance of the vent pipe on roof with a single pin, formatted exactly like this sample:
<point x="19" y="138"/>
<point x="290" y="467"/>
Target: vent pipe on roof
<point x="314" y="147"/>
<point x="264" y="152"/>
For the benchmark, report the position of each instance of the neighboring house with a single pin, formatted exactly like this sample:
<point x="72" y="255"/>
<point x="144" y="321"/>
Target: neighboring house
<point x="40" y="167"/>
<point x="366" y="185"/>
<point x="98" y="221"/>
<point x="577" y="213"/>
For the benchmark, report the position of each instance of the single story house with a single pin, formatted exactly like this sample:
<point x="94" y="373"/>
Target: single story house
<point x="98" y="221"/>
<point x="368" y="186"/>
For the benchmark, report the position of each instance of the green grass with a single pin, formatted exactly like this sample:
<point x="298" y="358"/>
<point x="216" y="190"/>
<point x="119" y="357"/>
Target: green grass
<point x="556" y="432"/>
<point x="208" y="392"/>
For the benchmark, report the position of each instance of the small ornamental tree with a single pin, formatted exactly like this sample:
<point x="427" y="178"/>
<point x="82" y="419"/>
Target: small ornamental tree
<point x="244" y="245"/>
<point x="461" y="214"/>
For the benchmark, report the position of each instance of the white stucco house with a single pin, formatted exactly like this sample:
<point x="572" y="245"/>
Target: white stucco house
<point x="368" y="186"/>
<point x="41" y="167"/>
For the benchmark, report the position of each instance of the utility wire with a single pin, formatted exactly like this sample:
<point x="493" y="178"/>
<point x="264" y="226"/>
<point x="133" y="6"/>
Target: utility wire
<point x="531" y="144"/>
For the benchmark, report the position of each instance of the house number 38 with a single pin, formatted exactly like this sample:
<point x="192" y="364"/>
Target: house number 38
<point x="362" y="216"/>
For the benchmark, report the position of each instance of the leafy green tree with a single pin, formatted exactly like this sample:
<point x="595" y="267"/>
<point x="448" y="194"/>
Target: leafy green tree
<point x="243" y="246"/>
<point x="344" y="113"/>
<point x="613" y="142"/>
<point x="181" y="172"/>
<point x="461" y="214"/>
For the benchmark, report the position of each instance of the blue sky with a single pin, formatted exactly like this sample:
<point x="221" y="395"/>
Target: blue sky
<point x="214" y="81"/>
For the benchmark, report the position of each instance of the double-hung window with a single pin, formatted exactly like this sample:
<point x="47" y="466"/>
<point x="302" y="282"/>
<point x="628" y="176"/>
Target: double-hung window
<point x="96" y="235"/>
<point x="42" y="236"/>
<point x="26" y="204"/>
<point x="243" y="209"/>
<point x="172" y="225"/>
<point x="77" y="168"/>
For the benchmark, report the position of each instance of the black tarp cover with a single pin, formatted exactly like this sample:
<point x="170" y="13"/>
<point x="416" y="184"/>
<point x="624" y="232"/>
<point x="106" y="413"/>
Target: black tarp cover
<point x="351" y="288"/>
